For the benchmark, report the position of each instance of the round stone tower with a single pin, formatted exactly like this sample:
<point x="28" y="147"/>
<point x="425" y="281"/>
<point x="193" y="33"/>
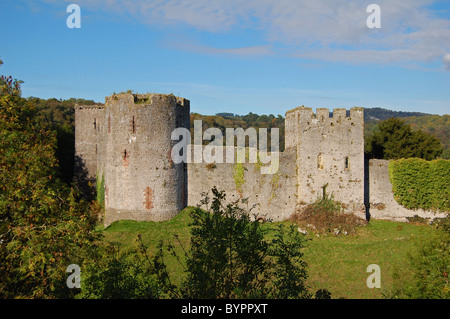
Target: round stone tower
<point x="140" y="180"/>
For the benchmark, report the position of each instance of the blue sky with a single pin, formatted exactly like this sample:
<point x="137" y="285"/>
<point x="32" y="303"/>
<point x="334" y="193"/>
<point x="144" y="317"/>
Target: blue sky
<point x="258" y="56"/>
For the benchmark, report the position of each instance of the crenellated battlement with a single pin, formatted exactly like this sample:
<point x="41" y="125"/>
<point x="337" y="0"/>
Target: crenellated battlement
<point x="306" y="114"/>
<point x="89" y="107"/>
<point x="139" y="100"/>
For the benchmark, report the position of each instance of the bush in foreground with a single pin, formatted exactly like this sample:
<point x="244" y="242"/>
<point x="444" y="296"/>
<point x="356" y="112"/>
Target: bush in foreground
<point x="231" y="256"/>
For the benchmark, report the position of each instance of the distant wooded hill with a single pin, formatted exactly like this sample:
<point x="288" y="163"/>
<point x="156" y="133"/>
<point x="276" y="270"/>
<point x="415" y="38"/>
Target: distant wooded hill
<point x="380" y="114"/>
<point x="436" y="125"/>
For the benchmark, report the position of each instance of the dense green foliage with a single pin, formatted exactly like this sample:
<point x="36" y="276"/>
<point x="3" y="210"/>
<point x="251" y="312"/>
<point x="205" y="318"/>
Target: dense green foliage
<point x="436" y="125"/>
<point x="100" y="185"/>
<point x="119" y="275"/>
<point x="230" y="256"/>
<point x="44" y="224"/>
<point x="421" y="184"/>
<point x="394" y="139"/>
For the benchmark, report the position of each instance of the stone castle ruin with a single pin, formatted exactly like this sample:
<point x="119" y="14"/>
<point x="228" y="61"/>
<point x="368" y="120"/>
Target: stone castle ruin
<point x="125" y="146"/>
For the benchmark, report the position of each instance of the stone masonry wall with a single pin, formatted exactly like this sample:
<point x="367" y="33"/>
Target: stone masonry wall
<point x="88" y="134"/>
<point x="141" y="180"/>
<point x="330" y="151"/>
<point x="273" y="194"/>
<point x="380" y="196"/>
<point x="127" y="143"/>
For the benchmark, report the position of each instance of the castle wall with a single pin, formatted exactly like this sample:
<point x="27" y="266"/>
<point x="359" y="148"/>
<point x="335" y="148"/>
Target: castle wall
<point x="89" y="127"/>
<point x="127" y="144"/>
<point x="141" y="180"/>
<point x="330" y="151"/>
<point x="380" y="196"/>
<point x="273" y="194"/>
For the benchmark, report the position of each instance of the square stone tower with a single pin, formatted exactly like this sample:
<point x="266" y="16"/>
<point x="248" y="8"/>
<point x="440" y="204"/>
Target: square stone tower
<point x="330" y="154"/>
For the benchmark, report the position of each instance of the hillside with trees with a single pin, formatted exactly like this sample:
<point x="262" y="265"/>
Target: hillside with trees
<point x="436" y="125"/>
<point x="229" y="120"/>
<point x="394" y="139"/>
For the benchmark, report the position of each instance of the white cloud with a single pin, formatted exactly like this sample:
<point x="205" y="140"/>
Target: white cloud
<point x="321" y="29"/>
<point x="446" y="61"/>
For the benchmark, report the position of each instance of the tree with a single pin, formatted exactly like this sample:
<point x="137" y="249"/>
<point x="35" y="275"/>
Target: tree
<point x="44" y="225"/>
<point x="234" y="256"/>
<point x="118" y="276"/>
<point x="227" y="254"/>
<point x="394" y="139"/>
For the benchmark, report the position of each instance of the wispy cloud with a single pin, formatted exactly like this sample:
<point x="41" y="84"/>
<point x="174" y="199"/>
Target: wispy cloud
<point x="446" y="61"/>
<point x="240" y="51"/>
<point x="321" y="29"/>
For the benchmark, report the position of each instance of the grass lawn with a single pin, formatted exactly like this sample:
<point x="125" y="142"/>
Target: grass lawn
<point x="339" y="263"/>
<point x="336" y="263"/>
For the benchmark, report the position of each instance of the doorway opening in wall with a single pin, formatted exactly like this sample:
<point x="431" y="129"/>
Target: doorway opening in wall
<point x="346" y="163"/>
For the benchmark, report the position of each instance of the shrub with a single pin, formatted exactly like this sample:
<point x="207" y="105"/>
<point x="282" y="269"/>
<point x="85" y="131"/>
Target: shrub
<point x="421" y="184"/>
<point x="326" y="215"/>
<point x="118" y="276"/>
<point x="232" y="256"/>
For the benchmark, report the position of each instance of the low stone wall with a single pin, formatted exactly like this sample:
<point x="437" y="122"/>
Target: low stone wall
<point x="275" y="195"/>
<point x="379" y="195"/>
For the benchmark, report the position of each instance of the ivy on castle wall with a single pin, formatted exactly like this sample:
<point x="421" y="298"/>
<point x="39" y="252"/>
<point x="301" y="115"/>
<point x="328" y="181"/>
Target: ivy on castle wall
<point x="101" y="190"/>
<point x="238" y="176"/>
<point x="418" y="183"/>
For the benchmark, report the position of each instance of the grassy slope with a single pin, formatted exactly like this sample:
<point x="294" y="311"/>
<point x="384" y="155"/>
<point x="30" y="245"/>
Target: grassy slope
<point x="339" y="263"/>
<point x="336" y="263"/>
